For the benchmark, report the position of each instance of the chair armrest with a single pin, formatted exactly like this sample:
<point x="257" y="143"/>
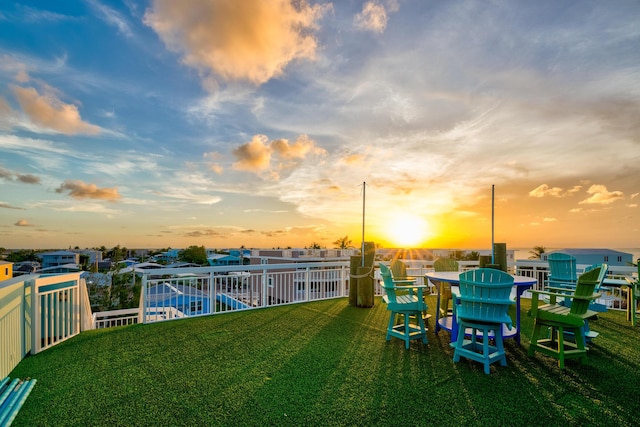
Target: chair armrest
<point x="405" y="280"/>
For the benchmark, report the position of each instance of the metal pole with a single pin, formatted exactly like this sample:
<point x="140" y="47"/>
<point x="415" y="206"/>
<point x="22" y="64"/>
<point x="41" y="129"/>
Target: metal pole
<point x="493" y="250"/>
<point x="364" y="188"/>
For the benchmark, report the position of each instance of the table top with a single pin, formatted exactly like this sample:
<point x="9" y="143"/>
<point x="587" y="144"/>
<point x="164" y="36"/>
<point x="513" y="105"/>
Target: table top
<point x="453" y="277"/>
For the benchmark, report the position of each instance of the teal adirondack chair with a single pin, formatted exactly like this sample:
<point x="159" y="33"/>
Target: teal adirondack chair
<point x="561" y="318"/>
<point x="562" y="271"/>
<point x="482" y="310"/>
<point x="405" y="320"/>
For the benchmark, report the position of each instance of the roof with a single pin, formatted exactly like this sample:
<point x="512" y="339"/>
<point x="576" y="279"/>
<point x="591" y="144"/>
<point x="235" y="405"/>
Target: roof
<point x="57" y="253"/>
<point x="591" y="251"/>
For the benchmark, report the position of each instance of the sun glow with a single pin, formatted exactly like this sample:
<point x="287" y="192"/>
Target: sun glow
<point x="407" y="230"/>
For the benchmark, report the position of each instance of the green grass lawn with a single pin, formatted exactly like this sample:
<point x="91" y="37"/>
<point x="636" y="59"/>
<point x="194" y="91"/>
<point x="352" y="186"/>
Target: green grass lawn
<point x="321" y="364"/>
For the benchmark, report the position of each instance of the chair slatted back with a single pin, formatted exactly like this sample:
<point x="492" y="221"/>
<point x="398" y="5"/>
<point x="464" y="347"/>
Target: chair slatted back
<point x="398" y="268"/>
<point x="587" y="283"/>
<point x="562" y="270"/>
<point x="485" y="295"/>
<point x="387" y="283"/>
<point x="445" y="264"/>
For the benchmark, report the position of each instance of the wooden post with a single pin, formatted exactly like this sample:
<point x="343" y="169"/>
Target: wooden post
<point x="500" y="258"/>
<point x="361" y="285"/>
<point x="353" y="281"/>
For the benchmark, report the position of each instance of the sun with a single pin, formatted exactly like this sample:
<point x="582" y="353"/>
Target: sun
<point x="407" y="230"/>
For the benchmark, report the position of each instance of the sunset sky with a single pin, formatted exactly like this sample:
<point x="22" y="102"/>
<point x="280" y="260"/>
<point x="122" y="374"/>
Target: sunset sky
<point x="152" y="124"/>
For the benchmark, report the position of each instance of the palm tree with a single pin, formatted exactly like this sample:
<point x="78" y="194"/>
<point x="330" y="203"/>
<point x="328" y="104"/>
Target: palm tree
<point x="536" y="252"/>
<point x="343" y="243"/>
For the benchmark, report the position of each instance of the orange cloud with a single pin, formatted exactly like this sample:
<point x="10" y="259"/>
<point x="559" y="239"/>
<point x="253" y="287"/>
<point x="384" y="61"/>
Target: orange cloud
<point x="256" y="155"/>
<point x="79" y="190"/>
<point x="23" y="223"/>
<point x="297" y="150"/>
<point x="50" y="112"/>
<point x="600" y="195"/>
<point x="545" y="190"/>
<point x="250" y="40"/>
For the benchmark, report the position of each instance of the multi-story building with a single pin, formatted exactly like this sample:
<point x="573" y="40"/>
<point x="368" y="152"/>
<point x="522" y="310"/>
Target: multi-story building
<point x="59" y="258"/>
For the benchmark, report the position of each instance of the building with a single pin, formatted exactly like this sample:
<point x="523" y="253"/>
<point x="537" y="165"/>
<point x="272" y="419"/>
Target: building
<point x="596" y="256"/>
<point x="58" y="258"/>
<point x="6" y="270"/>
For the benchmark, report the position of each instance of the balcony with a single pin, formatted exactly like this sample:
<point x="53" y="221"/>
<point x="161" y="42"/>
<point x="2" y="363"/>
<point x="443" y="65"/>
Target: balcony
<point x="319" y="363"/>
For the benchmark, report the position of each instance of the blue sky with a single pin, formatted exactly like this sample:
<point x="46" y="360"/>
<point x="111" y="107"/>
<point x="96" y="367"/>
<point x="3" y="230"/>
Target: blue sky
<point x="255" y="123"/>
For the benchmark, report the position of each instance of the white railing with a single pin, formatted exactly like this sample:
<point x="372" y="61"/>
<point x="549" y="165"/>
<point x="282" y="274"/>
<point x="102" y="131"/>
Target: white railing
<point x="208" y="290"/>
<point x="55" y="301"/>
<point x="108" y="319"/>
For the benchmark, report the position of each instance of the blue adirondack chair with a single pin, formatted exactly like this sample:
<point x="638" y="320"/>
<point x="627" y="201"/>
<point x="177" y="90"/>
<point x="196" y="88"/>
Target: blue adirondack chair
<point x="405" y="301"/>
<point x="482" y="309"/>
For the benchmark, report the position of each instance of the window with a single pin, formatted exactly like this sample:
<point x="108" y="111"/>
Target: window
<point x="606" y="259"/>
<point x="196" y="306"/>
<point x="619" y="259"/>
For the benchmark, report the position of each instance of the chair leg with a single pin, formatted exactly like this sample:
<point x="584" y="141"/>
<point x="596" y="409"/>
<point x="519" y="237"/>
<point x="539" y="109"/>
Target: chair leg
<point x="500" y="346"/>
<point x="392" y="321"/>
<point x="580" y="343"/>
<point x="560" y="331"/>
<point x="534" y="338"/>
<point x="423" y="328"/>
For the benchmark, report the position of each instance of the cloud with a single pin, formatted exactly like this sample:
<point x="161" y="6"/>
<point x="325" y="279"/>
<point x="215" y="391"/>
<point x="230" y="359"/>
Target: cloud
<point x="28" y="178"/>
<point x="23" y="223"/>
<point x="372" y="18"/>
<point x="8" y="206"/>
<point x="24" y="178"/>
<point x="601" y="196"/>
<point x="79" y="190"/>
<point x="112" y="17"/>
<point x="256" y="155"/>
<point x="249" y="40"/>
<point x="48" y="111"/>
<point x="545" y="190"/>
<point x="297" y="150"/>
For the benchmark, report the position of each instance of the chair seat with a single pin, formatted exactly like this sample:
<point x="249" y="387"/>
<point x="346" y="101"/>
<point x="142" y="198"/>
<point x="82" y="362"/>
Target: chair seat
<point x="562" y="313"/>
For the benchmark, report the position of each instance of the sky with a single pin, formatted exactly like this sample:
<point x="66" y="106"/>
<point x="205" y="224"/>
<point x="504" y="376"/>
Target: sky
<point x="279" y="123"/>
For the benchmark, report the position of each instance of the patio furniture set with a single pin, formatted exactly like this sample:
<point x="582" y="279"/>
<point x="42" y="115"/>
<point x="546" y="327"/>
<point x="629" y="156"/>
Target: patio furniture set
<point x="479" y="319"/>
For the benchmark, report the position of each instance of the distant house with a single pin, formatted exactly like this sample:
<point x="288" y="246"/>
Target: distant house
<point x="25" y="267"/>
<point x="169" y="256"/>
<point x="6" y="270"/>
<point x="596" y="256"/>
<point x="58" y="258"/>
